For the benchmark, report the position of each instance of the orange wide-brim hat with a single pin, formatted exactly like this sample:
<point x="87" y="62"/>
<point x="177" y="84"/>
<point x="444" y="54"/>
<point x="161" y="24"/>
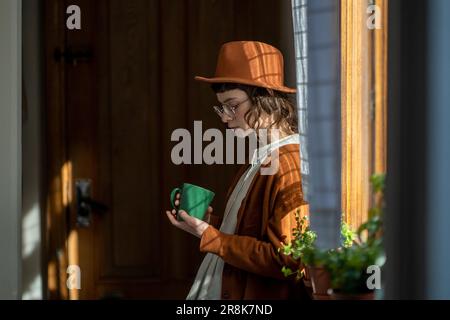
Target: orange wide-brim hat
<point x="252" y="63"/>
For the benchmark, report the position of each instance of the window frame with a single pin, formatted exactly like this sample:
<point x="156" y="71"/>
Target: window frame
<point x="363" y="104"/>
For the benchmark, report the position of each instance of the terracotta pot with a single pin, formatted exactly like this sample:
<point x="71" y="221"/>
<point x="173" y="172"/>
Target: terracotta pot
<point x="320" y="279"/>
<point x="352" y="296"/>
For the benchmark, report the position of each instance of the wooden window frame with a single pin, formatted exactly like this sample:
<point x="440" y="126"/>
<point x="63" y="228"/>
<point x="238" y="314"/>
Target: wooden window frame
<point x="364" y="104"/>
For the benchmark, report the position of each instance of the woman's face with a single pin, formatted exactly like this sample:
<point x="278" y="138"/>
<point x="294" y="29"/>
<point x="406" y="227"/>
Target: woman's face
<point x="239" y="99"/>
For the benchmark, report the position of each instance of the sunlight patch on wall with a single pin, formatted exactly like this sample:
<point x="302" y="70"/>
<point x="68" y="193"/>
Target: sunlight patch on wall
<point x="34" y="289"/>
<point x="31" y="236"/>
<point x="31" y="243"/>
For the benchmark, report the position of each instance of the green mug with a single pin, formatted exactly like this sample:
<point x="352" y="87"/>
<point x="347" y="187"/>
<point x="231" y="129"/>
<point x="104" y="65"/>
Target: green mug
<point x="193" y="199"/>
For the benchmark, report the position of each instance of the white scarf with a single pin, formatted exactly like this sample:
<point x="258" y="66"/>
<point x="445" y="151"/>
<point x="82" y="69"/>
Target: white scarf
<point x="208" y="281"/>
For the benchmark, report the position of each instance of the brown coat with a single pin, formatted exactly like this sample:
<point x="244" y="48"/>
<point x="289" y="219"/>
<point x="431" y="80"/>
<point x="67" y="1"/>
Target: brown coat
<point x="265" y="220"/>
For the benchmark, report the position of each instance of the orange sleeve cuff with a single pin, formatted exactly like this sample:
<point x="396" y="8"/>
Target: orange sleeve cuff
<point x="211" y="241"/>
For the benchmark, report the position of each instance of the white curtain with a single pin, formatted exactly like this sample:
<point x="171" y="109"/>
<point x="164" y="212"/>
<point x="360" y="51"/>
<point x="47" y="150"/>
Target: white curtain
<point x="301" y="61"/>
<point x="316" y="38"/>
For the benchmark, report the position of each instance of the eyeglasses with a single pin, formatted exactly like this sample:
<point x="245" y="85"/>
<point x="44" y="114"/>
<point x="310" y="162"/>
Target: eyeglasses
<point x="230" y="111"/>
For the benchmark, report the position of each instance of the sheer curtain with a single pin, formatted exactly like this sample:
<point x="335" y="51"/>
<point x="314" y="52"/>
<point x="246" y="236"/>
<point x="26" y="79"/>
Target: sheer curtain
<point x="301" y="63"/>
<point x="316" y="38"/>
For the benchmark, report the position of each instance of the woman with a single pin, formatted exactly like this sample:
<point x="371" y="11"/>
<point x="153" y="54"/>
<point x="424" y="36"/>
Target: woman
<point x="242" y="260"/>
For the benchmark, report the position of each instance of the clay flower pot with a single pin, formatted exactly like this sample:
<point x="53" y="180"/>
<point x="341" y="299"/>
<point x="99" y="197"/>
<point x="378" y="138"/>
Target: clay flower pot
<point x="321" y="282"/>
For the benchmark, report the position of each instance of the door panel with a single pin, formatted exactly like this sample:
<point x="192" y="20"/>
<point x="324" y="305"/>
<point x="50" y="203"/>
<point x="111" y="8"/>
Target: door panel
<point x="113" y="114"/>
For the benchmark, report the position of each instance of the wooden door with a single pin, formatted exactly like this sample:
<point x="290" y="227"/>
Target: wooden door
<point x="116" y="90"/>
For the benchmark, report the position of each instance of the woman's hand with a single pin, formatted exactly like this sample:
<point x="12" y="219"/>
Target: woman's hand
<point x="189" y="224"/>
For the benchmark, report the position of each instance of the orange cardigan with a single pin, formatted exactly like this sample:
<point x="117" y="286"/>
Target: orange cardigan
<point x="265" y="221"/>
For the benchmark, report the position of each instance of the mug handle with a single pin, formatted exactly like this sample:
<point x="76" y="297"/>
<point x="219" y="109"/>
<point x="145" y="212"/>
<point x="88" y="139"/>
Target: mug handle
<point x="172" y="196"/>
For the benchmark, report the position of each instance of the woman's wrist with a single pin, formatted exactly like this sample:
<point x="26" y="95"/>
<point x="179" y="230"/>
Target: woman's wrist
<point x="203" y="229"/>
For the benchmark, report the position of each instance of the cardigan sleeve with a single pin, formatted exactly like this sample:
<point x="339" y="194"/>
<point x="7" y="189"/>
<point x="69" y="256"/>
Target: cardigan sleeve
<point x="259" y="256"/>
<point x="251" y="254"/>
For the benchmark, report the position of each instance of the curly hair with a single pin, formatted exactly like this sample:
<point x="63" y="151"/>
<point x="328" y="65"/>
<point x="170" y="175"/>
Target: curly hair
<point x="277" y="104"/>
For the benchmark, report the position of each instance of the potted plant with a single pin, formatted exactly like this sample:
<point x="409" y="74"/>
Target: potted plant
<point x="316" y="261"/>
<point x="313" y="270"/>
<point x="348" y="265"/>
<point x="304" y="238"/>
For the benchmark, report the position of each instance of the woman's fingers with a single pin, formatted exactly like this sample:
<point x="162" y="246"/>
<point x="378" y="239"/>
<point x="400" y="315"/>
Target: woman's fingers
<point x="177" y="199"/>
<point x="181" y="225"/>
<point x="210" y="210"/>
<point x="189" y="224"/>
<point x="177" y="223"/>
<point x="190" y="221"/>
<point x="196" y="225"/>
<point x="172" y="219"/>
<point x="186" y="218"/>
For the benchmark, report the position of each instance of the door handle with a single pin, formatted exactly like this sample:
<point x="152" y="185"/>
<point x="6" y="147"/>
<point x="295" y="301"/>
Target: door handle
<point x="85" y="205"/>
